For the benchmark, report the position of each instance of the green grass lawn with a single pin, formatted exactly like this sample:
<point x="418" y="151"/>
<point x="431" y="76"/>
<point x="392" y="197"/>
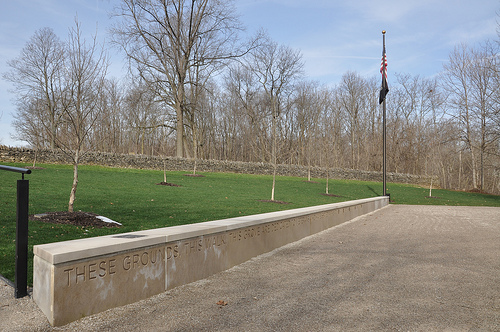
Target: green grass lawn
<point x="131" y="197"/>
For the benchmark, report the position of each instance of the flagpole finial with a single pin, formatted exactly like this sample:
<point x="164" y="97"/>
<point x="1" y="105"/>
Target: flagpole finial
<point x="383" y="32"/>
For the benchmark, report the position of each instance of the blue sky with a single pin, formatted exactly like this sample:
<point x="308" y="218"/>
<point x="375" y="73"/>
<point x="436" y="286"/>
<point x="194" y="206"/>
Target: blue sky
<point x="334" y="36"/>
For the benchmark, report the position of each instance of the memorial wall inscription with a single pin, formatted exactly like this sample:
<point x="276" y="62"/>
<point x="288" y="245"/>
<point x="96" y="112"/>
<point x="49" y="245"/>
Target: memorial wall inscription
<point x="109" y="266"/>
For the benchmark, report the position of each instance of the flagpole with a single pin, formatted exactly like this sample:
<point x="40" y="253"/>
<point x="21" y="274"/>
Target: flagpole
<point x="384" y="161"/>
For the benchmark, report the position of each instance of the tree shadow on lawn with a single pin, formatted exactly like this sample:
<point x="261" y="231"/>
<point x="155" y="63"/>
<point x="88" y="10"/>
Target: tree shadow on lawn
<point x="330" y="195"/>
<point x="373" y="190"/>
<point x="273" y="201"/>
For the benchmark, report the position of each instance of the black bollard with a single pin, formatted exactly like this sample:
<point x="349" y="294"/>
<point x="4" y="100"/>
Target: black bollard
<point x="21" y="273"/>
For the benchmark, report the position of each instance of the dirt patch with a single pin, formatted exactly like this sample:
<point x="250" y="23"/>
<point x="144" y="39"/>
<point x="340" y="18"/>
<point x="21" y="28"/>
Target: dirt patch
<point x="168" y="184"/>
<point x="271" y="201"/>
<point x="479" y="191"/>
<point x="85" y="219"/>
<point x="330" y="195"/>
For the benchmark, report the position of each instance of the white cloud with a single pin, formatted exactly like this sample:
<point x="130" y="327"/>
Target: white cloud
<point x="472" y="32"/>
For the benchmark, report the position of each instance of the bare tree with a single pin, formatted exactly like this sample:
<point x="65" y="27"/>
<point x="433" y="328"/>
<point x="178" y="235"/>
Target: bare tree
<point x="352" y="93"/>
<point x="332" y="122"/>
<point x="36" y="75"/>
<point x="308" y="105"/>
<point x="143" y="114"/>
<point x="85" y="67"/>
<point x="109" y="131"/>
<point x="243" y="102"/>
<point x="485" y="106"/>
<point x="165" y="39"/>
<point x="276" y="67"/>
<point x="28" y="122"/>
<point x="456" y="81"/>
<point x="470" y="78"/>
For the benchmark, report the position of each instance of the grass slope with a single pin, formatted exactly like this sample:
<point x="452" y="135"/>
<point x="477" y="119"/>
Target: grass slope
<point x="132" y="198"/>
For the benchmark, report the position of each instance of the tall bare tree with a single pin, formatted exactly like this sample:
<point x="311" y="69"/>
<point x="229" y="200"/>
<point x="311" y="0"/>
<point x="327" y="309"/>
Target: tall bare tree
<point x="485" y="87"/>
<point x="142" y="113"/>
<point x="165" y="39"/>
<point x="352" y="93"/>
<point x="309" y="103"/>
<point x="456" y="81"/>
<point x="276" y="67"/>
<point x="37" y="78"/>
<point x="86" y="66"/>
<point x="470" y="77"/>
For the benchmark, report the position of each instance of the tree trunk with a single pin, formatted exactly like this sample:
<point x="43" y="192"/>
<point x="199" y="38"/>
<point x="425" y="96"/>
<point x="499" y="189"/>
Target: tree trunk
<point x="53" y="131"/>
<point x="482" y="168"/>
<point x="179" y="140"/>
<point x="195" y="146"/>
<point x="327" y="177"/>
<point x="34" y="160"/>
<point x="142" y="140"/>
<point x="474" y="167"/>
<point x="274" y="148"/>
<point x="460" y="170"/>
<point x="274" y="183"/>
<point x="72" y="195"/>
<point x="164" y="170"/>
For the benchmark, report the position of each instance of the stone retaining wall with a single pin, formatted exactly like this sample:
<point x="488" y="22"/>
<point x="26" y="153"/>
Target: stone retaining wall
<point x="24" y="155"/>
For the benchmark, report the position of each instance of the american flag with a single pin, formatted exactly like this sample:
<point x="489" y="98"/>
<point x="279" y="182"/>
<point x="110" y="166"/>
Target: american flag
<point x="383" y="70"/>
<point x="383" y="64"/>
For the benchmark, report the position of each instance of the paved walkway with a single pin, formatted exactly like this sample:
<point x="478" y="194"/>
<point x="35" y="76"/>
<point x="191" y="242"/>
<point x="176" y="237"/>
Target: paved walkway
<point x="402" y="268"/>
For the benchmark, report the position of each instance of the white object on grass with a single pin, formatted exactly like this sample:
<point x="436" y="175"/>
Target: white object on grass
<point x="105" y="219"/>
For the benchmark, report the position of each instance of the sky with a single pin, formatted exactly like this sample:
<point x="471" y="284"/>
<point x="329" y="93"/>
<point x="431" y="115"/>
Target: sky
<point x="334" y="36"/>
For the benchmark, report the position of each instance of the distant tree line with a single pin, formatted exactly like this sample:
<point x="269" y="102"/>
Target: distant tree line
<point x="196" y="89"/>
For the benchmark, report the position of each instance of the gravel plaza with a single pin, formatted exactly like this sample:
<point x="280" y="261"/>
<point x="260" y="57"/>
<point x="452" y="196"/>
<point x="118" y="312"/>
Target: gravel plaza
<point x="401" y="268"/>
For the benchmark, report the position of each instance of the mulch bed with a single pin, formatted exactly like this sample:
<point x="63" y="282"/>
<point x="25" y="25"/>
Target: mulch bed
<point x="168" y="184"/>
<point x="479" y="191"/>
<point x="85" y="219"/>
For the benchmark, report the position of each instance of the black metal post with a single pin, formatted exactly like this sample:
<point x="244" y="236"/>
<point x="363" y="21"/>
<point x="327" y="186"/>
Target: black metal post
<point x="21" y="273"/>
<point x="384" y="166"/>
<point x="384" y="157"/>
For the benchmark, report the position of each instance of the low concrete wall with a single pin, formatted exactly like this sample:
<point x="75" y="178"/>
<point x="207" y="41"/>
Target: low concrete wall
<point x="73" y="279"/>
